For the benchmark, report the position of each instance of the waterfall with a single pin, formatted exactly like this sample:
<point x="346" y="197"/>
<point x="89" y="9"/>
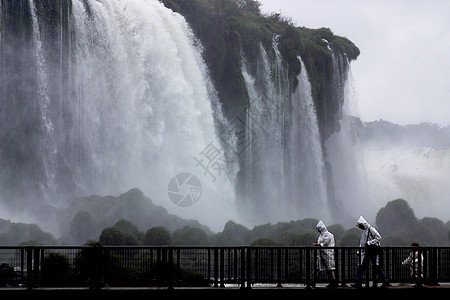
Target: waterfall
<point x="284" y="168"/>
<point x="125" y="101"/>
<point x="344" y="152"/>
<point x="47" y="146"/>
<point x="308" y="187"/>
<point x="264" y="184"/>
<point x="102" y="96"/>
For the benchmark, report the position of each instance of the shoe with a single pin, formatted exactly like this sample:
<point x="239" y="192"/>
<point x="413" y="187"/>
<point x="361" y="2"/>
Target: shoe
<point x="386" y="284"/>
<point x="356" y="285"/>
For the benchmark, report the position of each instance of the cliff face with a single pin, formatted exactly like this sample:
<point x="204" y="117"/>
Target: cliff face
<point x="255" y="62"/>
<point x="228" y="28"/>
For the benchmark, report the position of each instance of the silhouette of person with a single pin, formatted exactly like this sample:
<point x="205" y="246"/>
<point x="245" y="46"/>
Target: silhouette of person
<point x="369" y="253"/>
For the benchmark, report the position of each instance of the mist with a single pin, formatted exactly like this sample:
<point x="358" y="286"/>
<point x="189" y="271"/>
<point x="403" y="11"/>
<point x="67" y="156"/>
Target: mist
<point x="410" y="162"/>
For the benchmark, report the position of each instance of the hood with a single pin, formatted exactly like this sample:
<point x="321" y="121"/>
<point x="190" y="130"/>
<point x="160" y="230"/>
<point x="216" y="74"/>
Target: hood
<point x="321" y="226"/>
<point x="363" y="222"/>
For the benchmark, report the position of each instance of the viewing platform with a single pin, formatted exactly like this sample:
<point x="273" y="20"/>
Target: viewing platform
<point x="211" y="270"/>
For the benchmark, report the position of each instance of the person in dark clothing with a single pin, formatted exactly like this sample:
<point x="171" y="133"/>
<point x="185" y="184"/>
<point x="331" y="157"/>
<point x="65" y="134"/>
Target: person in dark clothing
<point x="369" y="253"/>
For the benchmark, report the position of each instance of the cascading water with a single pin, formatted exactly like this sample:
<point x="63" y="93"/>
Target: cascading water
<point x="263" y="158"/>
<point x="47" y="146"/>
<point x="98" y="97"/>
<point x="307" y="183"/>
<point x="344" y="152"/>
<point x="124" y="101"/>
<point x="284" y="162"/>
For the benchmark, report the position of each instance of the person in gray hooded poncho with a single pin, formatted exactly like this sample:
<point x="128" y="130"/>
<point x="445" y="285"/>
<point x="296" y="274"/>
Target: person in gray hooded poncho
<point x="369" y="243"/>
<point x="325" y="260"/>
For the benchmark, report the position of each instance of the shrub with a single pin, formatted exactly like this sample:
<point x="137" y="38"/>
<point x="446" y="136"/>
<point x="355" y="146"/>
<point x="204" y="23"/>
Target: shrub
<point x="157" y="236"/>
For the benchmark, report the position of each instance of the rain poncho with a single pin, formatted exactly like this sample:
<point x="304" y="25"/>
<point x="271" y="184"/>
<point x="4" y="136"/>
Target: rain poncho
<point x="326" y="256"/>
<point x="370" y="242"/>
<point x="369" y="236"/>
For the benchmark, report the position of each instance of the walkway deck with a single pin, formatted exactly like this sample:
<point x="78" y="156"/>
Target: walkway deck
<point x="233" y="291"/>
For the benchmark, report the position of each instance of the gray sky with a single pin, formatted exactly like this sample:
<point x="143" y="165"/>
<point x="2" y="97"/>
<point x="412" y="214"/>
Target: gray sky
<point x="403" y="72"/>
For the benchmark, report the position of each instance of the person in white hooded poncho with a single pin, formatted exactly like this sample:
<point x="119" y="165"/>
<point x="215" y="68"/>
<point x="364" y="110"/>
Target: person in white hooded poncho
<point x="369" y="253"/>
<point x="325" y="258"/>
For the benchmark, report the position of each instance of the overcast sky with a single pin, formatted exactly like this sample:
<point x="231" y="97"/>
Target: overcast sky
<point x="403" y="72"/>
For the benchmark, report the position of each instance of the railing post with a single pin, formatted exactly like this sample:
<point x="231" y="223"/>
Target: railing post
<point x="342" y="266"/>
<point x="249" y="268"/>
<point x="209" y="264"/>
<point x="222" y="267"/>
<point x="308" y="267"/>
<point x="434" y="266"/>
<point x="36" y="263"/>
<point x="286" y="263"/>
<point x="235" y="263"/>
<point x="22" y="263"/>
<point x="170" y="270"/>
<point x="216" y="267"/>
<point x="29" y="252"/>
<point x="255" y="263"/>
<point x="279" y="267"/>
<point x="164" y="265"/>
<point x="95" y="266"/>
<point x="159" y="265"/>
<point x="243" y="264"/>
<point x="370" y="269"/>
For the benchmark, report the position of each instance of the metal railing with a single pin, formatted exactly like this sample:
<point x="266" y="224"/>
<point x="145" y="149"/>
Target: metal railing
<point x="170" y="266"/>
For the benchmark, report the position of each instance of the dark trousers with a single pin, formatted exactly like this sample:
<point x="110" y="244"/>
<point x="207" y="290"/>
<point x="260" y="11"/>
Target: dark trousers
<point x="370" y="256"/>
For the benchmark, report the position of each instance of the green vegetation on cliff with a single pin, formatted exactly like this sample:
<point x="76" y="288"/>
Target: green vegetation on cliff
<point x="229" y="28"/>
